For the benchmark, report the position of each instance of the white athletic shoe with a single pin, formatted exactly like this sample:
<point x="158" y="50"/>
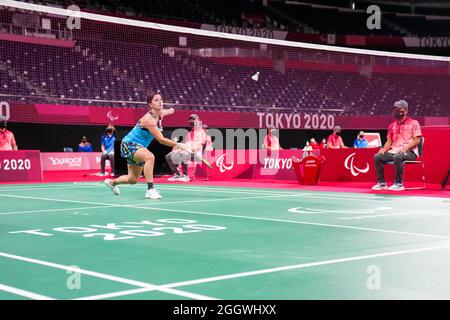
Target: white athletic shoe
<point x="397" y="187"/>
<point x="379" y="186"/>
<point x="175" y="177"/>
<point x="153" y="194"/>
<point x="115" y="189"/>
<point x="184" y="178"/>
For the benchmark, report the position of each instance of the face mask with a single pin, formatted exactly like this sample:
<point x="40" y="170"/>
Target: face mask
<point x="109" y="131"/>
<point x="361" y="137"/>
<point x="2" y="125"/>
<point x="338" y="133"/>
<point x="399" y="115"/>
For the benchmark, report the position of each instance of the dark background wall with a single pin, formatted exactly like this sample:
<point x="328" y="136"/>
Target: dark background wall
<point x="54" y="138"/>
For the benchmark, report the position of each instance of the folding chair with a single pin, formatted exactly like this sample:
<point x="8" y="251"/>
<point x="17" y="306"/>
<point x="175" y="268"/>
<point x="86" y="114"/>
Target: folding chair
<point x="418" y="161"/>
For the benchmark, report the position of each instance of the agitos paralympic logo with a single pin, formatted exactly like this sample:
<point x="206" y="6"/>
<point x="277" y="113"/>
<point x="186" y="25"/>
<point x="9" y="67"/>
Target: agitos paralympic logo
<point x="354" y="169"/>
<point x="222" y="166"/>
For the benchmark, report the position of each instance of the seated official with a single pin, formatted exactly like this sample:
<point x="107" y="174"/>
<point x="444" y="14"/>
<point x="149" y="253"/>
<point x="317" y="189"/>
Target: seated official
<point x="334" y="140"/>
<point x="360" y="141"/>
<point x="402" y="144"/>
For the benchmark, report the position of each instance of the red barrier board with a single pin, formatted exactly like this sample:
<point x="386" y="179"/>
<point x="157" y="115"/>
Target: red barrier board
<point x="355" y="165"/>
<point x="59" y="161"/>
<point x="22" y="165"/>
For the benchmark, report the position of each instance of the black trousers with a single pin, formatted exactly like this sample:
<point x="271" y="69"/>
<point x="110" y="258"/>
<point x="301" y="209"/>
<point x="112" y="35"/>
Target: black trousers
<point x="105" y="157"/>
<point x="398" y="158"/>
<point x="444" y="181"/>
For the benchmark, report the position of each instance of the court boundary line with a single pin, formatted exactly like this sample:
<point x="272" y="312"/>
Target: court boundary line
<point x="55" y="210"/>
<point x="306" y="194"/>
<point x="173" y="285"/>
<point x="24" y="293"/>
<point x="121" y="205"/>
<point x="307" y="223"/>
<point x="109" y="277"/>
<point x="246" y="217"/>
<point x="220" y="189"/>
<point x="50" y="188"/>
<point x="269" y="270"/>
<point x="323" y="195"/>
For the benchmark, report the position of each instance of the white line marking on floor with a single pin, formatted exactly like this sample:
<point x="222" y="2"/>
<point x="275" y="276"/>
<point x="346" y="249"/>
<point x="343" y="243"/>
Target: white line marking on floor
<point x="115" y="294"/>
<point x="56" y="210"/>
<point x="303" y="265"/>
<point x="265" y="271"/>
<point x="23" y="293"/>
<point x="107" y="277"/>
<point x="242" y="217"/>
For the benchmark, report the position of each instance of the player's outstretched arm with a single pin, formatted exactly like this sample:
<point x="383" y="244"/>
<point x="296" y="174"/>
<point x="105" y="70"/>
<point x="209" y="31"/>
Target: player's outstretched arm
<point x="150" y="125"/>
<point x="166" y="112"/>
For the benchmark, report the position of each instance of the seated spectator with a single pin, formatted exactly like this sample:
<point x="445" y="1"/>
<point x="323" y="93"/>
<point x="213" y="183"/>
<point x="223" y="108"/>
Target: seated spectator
<point x="360" y="141"/>
<point x="313" y="144"/>
<point x="335" y="140"/>
<point x="84" y="145"/>
<point x="323" y="144"/>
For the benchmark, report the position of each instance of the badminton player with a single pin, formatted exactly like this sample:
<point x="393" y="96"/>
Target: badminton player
<point x="134" y="147"/>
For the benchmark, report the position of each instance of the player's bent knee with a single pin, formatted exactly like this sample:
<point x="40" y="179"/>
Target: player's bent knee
<point x="132" y="180"/>
<point x="150" y="157"/>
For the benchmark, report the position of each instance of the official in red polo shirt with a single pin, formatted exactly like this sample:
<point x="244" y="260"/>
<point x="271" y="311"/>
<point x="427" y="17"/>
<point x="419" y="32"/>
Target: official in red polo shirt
<point x="335" y="140"/>
<point x="7" y="140"/>
<point x="401" y="145"/>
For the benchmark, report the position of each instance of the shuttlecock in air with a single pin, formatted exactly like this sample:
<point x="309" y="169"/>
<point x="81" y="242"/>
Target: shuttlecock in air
<point x="256" y="76"/>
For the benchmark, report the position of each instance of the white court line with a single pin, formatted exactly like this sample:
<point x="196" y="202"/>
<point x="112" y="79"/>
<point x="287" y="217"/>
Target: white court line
<point x="105" y="276"/>
<point x="214" y="189"/>
<point x="388" y="215"/>
<point x="20" y="185"/>
<point x="304" y="265"/>
<point x="115" y="294"/>
<point x="23" y="293"/>
<point x="142" y="206"/>
<point x="51" y="188"/>
<point x="325" y="194"/>
<point x="36" y="186"/>
<point x="270" y="270"/>
<point x="224" y="199"/>
<point x="244" y="217"/>
<point x="56" y="200"/>
<point x="305" y="223"/>
<point x="55" y="210"/>
<point x="140" y="186"/>
<point x="307" y="194"/>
